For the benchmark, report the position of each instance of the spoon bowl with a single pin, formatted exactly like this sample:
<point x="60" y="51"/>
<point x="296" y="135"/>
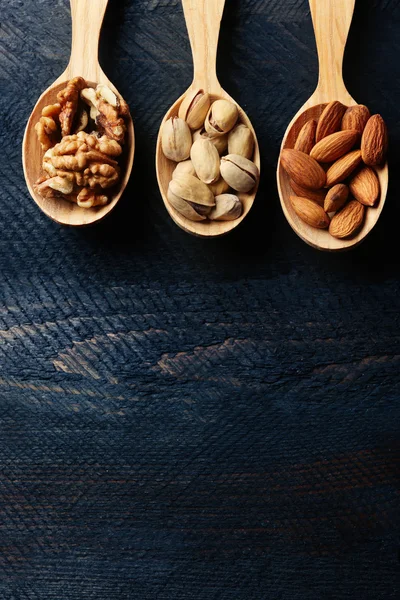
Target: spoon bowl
<point x="87" y="17"/>
<point x="332" y="21"/>
<point x="203" y="22"/>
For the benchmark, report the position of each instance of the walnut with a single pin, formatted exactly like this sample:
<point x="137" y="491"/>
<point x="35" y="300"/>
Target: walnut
<point x="88" y="199"/>
<point x="107" y="110"/>
<point x="81" y="161"/>
<point x="47" y="132"/>
<point x="69" y="98"/>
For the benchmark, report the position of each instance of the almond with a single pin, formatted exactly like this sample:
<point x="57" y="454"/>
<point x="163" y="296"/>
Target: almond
<point x="330" y="120"/>
<point x="310" y="212"/>
<point x="343" y="167"/>
<point x="306" y="138"/>
<point x="334" y="146"/>
<point x="356" y="117"/>
<point x="303" y="169"/>
<point x="365" y="186"/>
<point x="336" y="198"/>
<point x="317" y="195"/>
<point x="347" y="221"/>
<point x="374" y="141"/>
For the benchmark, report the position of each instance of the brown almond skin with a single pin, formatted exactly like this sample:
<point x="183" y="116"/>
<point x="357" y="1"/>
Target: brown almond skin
<point x="365" y="186"/>
<point x="348" y="220"/>
<point x="336" y="198"/>
<point x="306" y="138"/>
<point x="317" y="196"/>
<point x="374" y="141"/>
<point x="334" y="146"/>
<point x="310" y="212"/>
<point x="303" y="169"/>
<point x="343" y="167"/>
<point x="330" y="120"/>
<point x="356" y="118"/>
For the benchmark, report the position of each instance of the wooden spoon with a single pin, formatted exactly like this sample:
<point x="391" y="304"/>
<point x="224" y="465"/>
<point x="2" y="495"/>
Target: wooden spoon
<point x="203" y="21"/>
<point x="332" y="20"/>
<point x="87" y="18"/>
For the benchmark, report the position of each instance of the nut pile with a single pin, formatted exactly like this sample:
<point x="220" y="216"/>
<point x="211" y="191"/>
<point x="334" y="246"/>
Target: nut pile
<point x="213" y="152"/>
<point x="331" y="168"/>
<point x="82" y="137"/>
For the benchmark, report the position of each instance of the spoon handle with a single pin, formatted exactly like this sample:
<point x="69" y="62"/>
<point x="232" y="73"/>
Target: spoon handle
<point x="87" y="19"/>
<point x="332" y="20"/>
<point x="203" y="21"/>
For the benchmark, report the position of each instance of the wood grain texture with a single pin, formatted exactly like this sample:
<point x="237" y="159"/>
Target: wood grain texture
<point x="188" y="419"/>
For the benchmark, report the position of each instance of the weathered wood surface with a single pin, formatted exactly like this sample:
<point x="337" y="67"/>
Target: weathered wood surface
<point x="183" y="419"/>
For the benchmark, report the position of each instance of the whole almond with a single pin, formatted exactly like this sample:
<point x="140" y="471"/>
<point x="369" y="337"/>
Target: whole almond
<point x="365" y="186"/>
<point x="330" y="120"/>
<point x="374" y="141"/>
<point x="334" y="146"/>
<point x="317" y="195"/>
<point x="347" y="221"/>
<point x="356" y="117"/>
<point x="336" y="198"/>
<point x="310" y="212"/>
<point x="343" y="167"/>
<point x="306" y="138"/>
<point x="303" y="169"/>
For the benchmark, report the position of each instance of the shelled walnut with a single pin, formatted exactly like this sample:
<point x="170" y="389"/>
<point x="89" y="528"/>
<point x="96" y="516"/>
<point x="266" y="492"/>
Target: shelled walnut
<point x="79" y="166"/>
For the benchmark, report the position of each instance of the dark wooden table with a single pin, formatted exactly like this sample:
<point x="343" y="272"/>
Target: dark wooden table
<point x="188" y="419"/>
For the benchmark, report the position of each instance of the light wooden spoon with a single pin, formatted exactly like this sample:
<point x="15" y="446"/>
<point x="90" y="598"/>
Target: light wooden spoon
<point x="87" y="18"/>
<point x="203" y="21"/>
<point x="332" y="20"/>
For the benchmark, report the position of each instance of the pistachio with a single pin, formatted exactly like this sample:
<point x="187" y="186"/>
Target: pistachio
<point x="239" y="173"/>
<point x="191" y="197"/>
<point x="176" y="139"/>
<point x="205" y="159"/>
<point x="220" y="142"/>
<point x="221" y="117"/>
<point x="184" y="168"/>
<point x="194" y="108"/>
<point x="227" y="208"/>
<point x="219" y="187"/>
<point x="241" y="141"/>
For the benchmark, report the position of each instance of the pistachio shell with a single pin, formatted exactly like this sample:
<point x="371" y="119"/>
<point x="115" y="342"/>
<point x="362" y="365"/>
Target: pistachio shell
<point x="219" y="187"/>
<point x="241" y="141"/>
<point x="176" y="139"/>
<point x="227" y="208"/>
<point x="220" y="142"/>
<point x="205" y="159"/>
<point x="194" y="108"/>
<point x="221" y="117"/>
<point x="191" y="189"/>
<point x="239" y="173"/>
<point x="184" y="168"/>
<point x="183" y="207"/>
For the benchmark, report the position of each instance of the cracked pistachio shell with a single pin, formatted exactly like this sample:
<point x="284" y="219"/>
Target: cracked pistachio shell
<point x="184" y="208"/>
<point x="194" y="108"/>
<point x="239" y="173"/>
<point x="221" y="117"/>
<point x="241" y="141"/>
<point x="176" y="139"/>
<point x="193" y="190"/>
<point x="206" y="160"/>
<point x="220" y="142"/>
<point x="219" y="187"/>
<point x="228" y="207"/>
<point x="184" y="168"/>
